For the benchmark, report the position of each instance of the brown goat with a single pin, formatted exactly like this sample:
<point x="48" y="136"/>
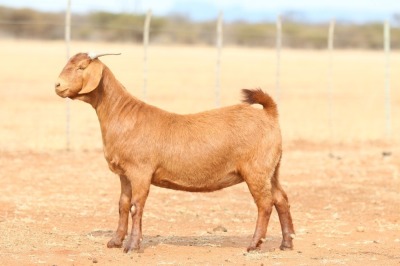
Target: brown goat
<point x="201" y="152"/>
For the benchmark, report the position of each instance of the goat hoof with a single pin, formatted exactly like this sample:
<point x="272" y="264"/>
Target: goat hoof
<point x="131" y="246"/>
<point x="253" y="248"/>
<point x="114" y="243"/>
<point x="286" y="246"/>
<point x="133" y="249"/>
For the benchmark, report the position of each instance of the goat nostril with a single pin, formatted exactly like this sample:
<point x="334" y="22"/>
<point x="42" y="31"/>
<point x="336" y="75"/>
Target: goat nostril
<point x="57" y="84"/>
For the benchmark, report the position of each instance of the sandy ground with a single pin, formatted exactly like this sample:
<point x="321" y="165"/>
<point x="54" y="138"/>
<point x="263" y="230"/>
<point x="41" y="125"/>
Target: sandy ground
<point x="60" y="208"/>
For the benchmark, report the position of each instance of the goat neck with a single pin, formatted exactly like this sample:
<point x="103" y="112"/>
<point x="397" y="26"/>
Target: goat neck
<point x="113" y="103"/>
<point x="111" y="96"/>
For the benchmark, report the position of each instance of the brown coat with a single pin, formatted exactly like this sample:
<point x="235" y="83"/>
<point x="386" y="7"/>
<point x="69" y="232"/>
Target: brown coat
<point x="200" y="152"/>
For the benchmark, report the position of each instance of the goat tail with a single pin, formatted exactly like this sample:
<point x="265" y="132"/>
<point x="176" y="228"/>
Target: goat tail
<point x="258" y="96"/>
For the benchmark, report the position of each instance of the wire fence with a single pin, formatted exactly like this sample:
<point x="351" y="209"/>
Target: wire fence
<point x="215" y="34"/>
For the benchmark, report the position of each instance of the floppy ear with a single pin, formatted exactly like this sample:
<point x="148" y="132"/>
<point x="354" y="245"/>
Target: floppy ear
<point x="92" y="76"/>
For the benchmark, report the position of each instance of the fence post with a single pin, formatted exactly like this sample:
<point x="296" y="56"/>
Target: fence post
<point x="218" y="63"/>
<point x="330" y="79"/>
<point x="387" y="80"/>
<point x="67" y="100"/>
<point x="146" y="31"/>
<point x="278" y="57"/>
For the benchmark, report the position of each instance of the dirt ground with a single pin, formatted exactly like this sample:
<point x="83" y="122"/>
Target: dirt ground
<point x="60" y="208"/>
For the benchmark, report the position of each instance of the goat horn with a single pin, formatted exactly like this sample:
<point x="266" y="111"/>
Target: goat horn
<point x="94" y="55"/>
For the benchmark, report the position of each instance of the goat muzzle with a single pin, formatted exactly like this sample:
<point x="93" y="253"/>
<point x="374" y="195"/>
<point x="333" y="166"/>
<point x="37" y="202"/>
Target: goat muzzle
<point x="59" y="89"/>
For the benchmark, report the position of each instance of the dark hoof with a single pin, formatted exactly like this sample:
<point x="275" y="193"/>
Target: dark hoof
<point x="133" y="249"/>
<point x="131" y="246"/>
<point x="113" y="243"/>
<point x="286" y="246"/>
<point x="256" y="247"/>
<point x="253" y="248"/>
<point x="287" y="242"/>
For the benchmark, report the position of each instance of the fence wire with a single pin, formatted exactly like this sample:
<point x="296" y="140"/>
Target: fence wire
<point x="298" y="76"/>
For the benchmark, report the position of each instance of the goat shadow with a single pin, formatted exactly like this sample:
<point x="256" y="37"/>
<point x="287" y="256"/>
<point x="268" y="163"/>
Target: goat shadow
<point x="215" y="240"/>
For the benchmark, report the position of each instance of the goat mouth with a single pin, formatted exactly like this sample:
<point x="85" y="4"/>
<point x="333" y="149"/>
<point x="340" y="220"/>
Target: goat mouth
<point x="62" y="94"/>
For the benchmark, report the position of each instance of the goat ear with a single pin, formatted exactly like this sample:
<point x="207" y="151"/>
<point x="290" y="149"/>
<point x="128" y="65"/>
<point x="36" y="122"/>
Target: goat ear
<point x="92" y="76"/>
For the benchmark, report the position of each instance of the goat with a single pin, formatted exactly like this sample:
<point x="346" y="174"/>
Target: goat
<point x="200" y="152"/>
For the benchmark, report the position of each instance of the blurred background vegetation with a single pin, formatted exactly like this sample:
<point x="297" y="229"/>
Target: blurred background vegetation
<point x="176" y="28"/>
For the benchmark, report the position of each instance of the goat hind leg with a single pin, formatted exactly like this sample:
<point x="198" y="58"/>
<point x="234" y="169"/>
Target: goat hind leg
<point x="283" y="208"/>
<point x="124" y="205"/>
<point x="260" y="189"/>
<point x="264" y="213"/>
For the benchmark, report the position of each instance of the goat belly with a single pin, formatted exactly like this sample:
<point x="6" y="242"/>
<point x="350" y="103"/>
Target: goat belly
<point x="195" y="182"/>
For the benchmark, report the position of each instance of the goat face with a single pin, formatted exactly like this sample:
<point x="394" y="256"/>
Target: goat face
<point x="81" y="75"/>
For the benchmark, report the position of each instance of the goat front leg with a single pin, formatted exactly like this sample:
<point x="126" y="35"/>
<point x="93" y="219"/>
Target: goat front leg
<point x="140" y="191"/>
<point x="124" y="206"/>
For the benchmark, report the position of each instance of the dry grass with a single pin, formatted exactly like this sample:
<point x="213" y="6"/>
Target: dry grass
<point x="181" y="79"/>
<point x="60" y="208"/>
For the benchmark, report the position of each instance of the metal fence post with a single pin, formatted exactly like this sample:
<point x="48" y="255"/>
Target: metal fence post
<point x="67" y="100"/>
<point x="218" y="63"/>
<point x="146" y="33"/>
